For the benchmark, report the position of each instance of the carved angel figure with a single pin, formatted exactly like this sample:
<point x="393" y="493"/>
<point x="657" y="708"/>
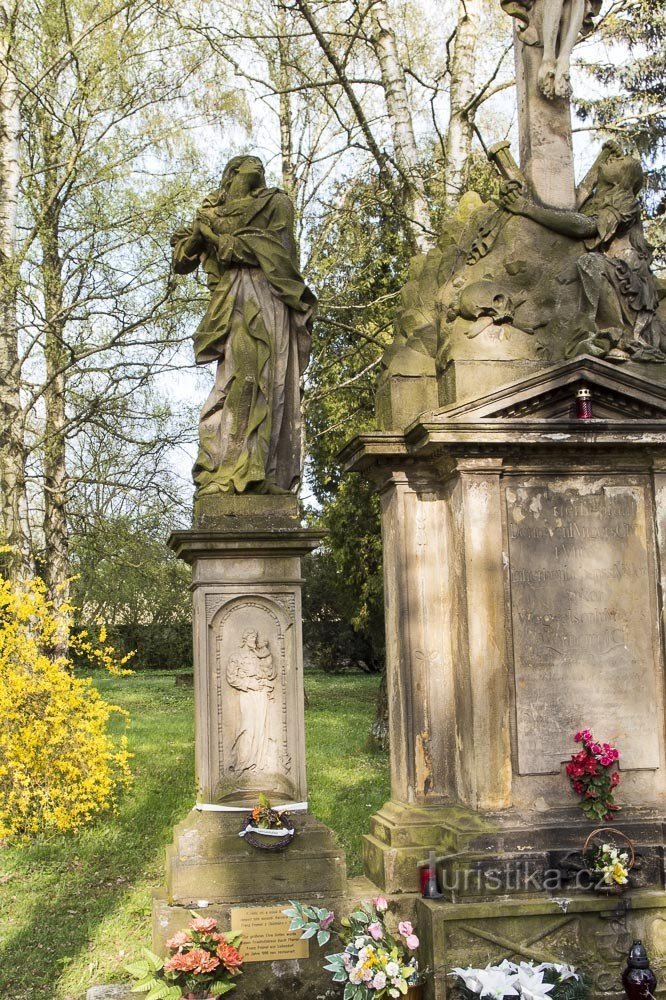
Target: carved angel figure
<point x="555" y="25"/>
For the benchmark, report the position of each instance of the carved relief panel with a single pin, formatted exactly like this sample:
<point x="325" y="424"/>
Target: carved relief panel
<point x="254" y="700"/>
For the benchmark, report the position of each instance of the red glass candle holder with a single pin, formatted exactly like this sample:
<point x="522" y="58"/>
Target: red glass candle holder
<point x="584" y="404"/>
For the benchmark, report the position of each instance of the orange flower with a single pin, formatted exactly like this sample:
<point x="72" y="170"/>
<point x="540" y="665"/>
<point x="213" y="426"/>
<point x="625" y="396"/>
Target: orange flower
<point x="196" y="961"/>
<point x="231" y="959"/>
<point x="256" y="814"/>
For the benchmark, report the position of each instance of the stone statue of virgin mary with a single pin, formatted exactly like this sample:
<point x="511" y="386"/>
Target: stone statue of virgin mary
<point x="257" y="328"/>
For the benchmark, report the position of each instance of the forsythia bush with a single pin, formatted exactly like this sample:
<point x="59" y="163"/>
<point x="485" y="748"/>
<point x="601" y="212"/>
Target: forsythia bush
<point x="59" y="766"/>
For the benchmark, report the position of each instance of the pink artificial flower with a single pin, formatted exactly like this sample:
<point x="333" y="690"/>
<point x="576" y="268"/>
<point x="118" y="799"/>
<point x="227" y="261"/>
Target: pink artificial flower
<point x="595" y="748"/>
<point x="380" y="904"/>
<point x="327" y="921"/>
<point x="375" y="930"/>
<point x="412" y="942"/>
<point x="615" y="779"/>
<point x="405" y="928"/>
<point x="178" y="940"/>
<point x="379" y="982"/>
<point x="606" y="760"/>
<point x="204" y="925"/>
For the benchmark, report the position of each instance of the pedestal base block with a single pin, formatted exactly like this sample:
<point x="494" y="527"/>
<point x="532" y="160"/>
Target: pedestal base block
<point x="402" y="835"/>
<point x="591" y="932"/>
<point x="298" y="979"/>
<point x="209" y="861"/>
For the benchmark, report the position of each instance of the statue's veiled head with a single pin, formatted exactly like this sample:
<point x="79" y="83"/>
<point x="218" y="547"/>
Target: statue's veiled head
<point x="248" y="169"/>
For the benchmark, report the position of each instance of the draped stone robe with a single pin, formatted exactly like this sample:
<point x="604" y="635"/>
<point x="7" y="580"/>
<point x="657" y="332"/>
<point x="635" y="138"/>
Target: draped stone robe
<point x="256" y="327"/>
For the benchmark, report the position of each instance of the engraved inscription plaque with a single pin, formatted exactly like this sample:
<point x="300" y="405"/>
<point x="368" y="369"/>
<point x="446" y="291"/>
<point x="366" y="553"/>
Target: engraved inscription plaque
<point x="265" y="934"/>
<point x="583" y="619"/>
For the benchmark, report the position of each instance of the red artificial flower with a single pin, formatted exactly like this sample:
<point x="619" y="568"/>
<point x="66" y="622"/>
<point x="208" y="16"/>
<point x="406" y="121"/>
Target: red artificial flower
<point x="614" y="779"/>
<point x="595" y="748"/>
<point x="578" y="787"/>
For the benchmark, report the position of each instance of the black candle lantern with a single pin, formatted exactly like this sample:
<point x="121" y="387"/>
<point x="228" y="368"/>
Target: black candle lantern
<point x="638" y="979"/>
<point x="584" y="404"/>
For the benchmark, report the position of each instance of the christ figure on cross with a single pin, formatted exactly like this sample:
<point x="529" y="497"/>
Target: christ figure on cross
<point x="556" y="26"/>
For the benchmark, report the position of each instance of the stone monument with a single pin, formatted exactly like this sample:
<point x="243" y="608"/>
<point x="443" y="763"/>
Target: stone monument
<point x="524" y="548"/>
<point x="245" y="549"/>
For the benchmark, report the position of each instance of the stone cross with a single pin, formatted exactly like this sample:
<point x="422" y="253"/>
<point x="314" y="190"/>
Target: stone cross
<point x="544" y="35"/>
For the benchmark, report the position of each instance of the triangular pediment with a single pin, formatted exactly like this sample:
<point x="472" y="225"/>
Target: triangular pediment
<point x="618" y="395"/>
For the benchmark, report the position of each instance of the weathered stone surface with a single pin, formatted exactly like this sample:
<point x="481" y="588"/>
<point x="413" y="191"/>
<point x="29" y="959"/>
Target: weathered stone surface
<point x="257" y="328"/>
<point x="249" y="731"/>
<point x="475" y="497"/>
<point x="591" y="932"/>
<point x="208" y="860"/>
<point x="581" y="556"/>
<point x="302" y="979"/>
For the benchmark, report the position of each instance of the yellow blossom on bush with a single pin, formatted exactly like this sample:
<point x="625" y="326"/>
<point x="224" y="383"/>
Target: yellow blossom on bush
<point x="59" y="765"/>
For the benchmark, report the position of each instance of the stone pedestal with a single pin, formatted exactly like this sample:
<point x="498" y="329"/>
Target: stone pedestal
<point x="245" y="554"/>
<point x="524" y="554"/>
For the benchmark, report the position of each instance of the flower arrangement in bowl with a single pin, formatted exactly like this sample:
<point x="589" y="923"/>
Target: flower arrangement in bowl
<point x="547" y="981"/>
<point x="607" y="862"/>
<point x="202" y="962"/>
<point x="267" y="828"/>
<point x="591" y="774"/>
<point x="374" y="964"/>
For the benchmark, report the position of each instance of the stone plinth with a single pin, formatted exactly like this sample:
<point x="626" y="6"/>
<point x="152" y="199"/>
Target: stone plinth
<point x="209" y="861"/>
<point x="245" y="554"/>
<point x="299" y="979"/>
<point x="523" y="554"/>
<point x="591" y="932"/>
<point x="246" y="585"/>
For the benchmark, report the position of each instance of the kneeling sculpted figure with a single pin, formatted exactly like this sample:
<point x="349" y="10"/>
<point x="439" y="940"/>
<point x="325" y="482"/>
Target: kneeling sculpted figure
<point x="619" y="298"/>
<point x="257" y="328"/>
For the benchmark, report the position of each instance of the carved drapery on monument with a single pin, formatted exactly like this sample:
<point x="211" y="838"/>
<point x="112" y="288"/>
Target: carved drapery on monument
<point x="256" y="328"/>
<point x="245" y="549"/>
<point x="549" y="270"/>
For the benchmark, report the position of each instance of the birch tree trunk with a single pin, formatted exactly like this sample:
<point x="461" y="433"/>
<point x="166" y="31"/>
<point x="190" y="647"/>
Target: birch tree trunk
<point x="50" y="132"/>
<point x="461" y="98"/>
<point x="404" y="141"/>
<point x="12" y="445"/>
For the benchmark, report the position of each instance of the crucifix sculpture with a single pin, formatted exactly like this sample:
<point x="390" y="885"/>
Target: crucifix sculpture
<point x="545" y="34"/>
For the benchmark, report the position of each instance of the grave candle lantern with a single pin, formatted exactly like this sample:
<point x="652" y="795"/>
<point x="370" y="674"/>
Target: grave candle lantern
<point x="638" y="979"/>
<point x="584" y="404"/>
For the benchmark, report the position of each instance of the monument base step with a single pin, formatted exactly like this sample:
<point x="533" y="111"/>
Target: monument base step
<point x="277" y="978"/>
<point x="484" y="854"/>
<point x="209" y="861"/>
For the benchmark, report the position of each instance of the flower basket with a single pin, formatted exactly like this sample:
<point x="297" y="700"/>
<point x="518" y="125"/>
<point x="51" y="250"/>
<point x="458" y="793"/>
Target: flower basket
<point x="594" y="855"/>
<point x="266" y="828"/>
<point x="267" y="840"/>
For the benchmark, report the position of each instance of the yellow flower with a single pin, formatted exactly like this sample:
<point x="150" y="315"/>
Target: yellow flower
<point x="59" y="766"/>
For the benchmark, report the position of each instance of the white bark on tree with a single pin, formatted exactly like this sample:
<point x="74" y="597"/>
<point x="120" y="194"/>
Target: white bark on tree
<point x="12" y="446"/>
<point x="461" y="99"/>
<point x="404" y="141"/>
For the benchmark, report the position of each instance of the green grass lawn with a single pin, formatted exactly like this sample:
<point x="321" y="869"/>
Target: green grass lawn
<point x="74" y="910"/>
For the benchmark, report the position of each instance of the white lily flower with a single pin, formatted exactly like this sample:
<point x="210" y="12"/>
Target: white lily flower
<point x="497" y="983"/>
<point x="532" y="986"/>
<point x="470" y="978"/>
